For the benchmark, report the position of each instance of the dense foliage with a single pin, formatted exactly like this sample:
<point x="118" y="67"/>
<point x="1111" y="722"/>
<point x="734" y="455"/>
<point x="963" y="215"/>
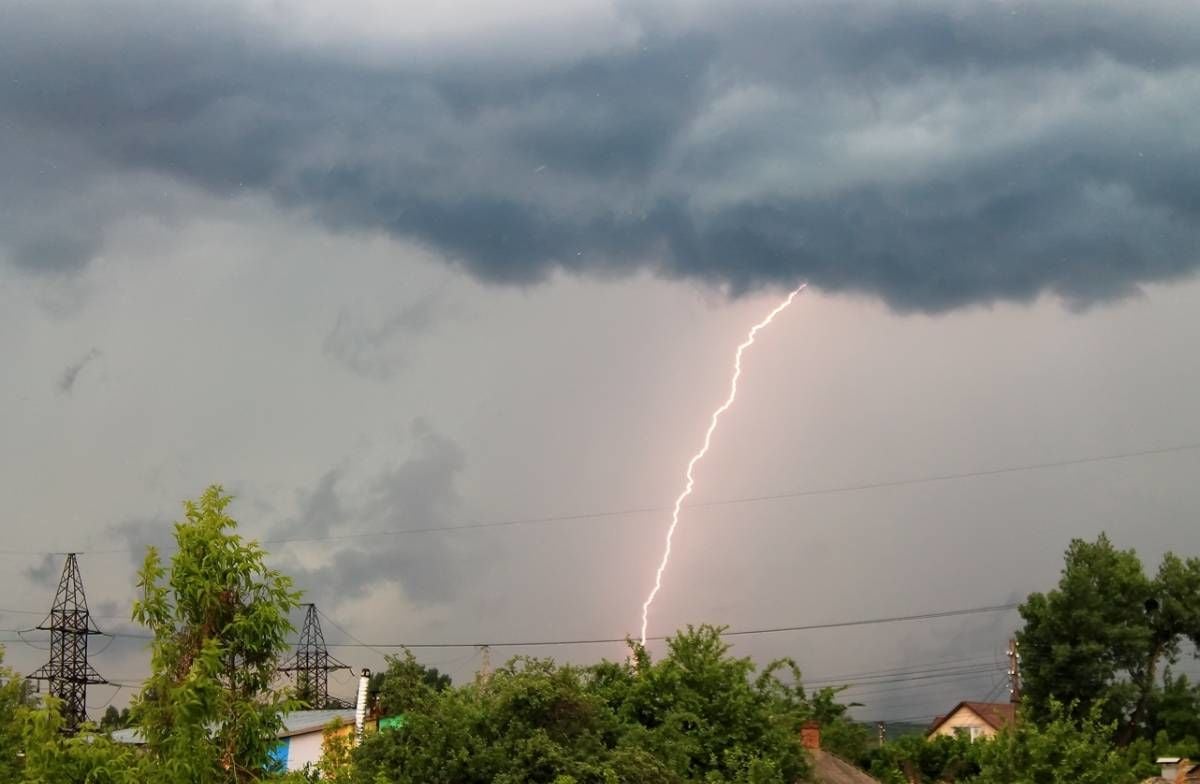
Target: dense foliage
<point x="1102" y="637"/>
<point x="914" y="758"/>
<point x="220" y="623"/>
<point x="114" y="719"/>
<point x="1101" y="701"/>
<point x="404" y="685"/>
<point x="1062" y="750"/>
<point x="13" y="698"/>
<point x="698" y="714"/>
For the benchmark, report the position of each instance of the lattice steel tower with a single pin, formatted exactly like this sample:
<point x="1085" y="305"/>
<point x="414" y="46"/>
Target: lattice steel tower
<point x="70" y="626"/>
<point x="311" y="664"/>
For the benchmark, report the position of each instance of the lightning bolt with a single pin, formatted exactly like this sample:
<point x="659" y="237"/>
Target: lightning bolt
<point x="712" y="426"/>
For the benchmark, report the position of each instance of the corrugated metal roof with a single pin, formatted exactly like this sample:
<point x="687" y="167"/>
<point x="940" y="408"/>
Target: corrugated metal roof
<point x="130" y="736"/>
<point x="294" y="723"/>
<point x="299" y="722"/>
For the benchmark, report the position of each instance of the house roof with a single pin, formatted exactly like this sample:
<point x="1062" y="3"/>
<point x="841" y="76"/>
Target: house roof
<point x="831" y="769"/>
<point x="1188" y="774"/>
<point x="300" y="722"/>
<point x="131" y="736"/>
<point x="996" y="715"/>
<point x="294" y="723"/>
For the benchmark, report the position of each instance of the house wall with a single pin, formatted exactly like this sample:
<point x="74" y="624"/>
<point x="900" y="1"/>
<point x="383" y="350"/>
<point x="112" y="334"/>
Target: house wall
<point x="304" y="749"/>
<point x="307" y="747"/>
<point x="969" y="721"/>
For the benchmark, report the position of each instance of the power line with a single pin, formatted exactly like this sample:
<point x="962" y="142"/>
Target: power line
<point x="915" y="675"/>
<point x="596" y="515"/>
<point x="612" y="640"/>
<point x="108" y="702"/>
<point x="343" y="630"/>
<point x="745" y="632"/>
<point x="917" y="672"/>
<point x="924" y="717"/>
<point x="858" y="677"/>
<point x="873" y="621"/>
<point x="922" y="704"/>
<point x="942" y="680"/>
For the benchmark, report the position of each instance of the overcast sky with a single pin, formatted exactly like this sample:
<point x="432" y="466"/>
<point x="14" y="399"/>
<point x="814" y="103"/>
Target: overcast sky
<point x="378" y="269"/>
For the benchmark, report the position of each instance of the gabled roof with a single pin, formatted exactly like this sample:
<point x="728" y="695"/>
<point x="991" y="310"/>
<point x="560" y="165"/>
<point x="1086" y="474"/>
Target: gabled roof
<point x="1188" y="773"/>
<point x="996" y="715"/>
<point x="831" y="769"/>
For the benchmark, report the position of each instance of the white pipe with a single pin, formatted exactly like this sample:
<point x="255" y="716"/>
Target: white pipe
<point x="360" y="707"/>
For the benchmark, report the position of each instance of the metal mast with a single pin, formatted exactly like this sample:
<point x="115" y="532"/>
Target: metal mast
<point x="69" y="625"/>
<point x="311" y="664"/>
<point x="1014" y="672"/>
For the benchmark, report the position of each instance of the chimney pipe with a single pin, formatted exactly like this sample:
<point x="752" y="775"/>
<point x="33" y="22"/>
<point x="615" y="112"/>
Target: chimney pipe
<point x="810" y="736"/>
<point x="360" y="707"/>
<point x="1170" y="767"/>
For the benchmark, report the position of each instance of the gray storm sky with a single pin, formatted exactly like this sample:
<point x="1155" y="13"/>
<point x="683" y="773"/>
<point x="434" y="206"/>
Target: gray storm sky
<point x="376" y="271"/>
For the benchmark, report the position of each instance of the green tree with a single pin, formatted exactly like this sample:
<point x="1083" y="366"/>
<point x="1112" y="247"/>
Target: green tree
<point x="219" y="617"/>
<point x="702" y="712"/>
<point x="51" y="757"/>
<point x="531" y="722"/>
<point x="114" y="719"/>
<point x="698" y="714"/>
<point x="14" y="700"/>
<point x="919" y="760"/>
<point x="1101" y="636"/>
<point x="1065" y="749"/>
<point x="782" y="683"/>
<point x="1174" y="712"/>
<point x="336" y="765"/>
<point x="405" y="684"/>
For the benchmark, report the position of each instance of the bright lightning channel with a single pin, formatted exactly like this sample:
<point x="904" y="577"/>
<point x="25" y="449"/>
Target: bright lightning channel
<point x="712" y="426"/>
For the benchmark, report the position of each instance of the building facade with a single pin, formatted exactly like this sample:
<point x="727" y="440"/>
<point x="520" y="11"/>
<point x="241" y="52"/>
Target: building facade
<point x="975" y="720"/>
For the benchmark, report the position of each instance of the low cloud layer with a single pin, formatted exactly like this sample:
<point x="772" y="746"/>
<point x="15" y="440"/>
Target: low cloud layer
<point x="375" y="349"/>
<point x="418" y="492"/>
<point x="929" y="153"/>
<point x="70" y="374"/>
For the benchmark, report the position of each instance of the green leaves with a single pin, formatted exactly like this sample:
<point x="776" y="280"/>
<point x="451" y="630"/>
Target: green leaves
<point x="698" y="715"/>
<point x="918" y="759"/>
<point x="13" y="703"/>
<point x="405" y="685"/>
<point x="87" y="758"/>
<point x="1063" y="750"/>
<point x="1103" y="636"/>
<point x="219" y="617"/>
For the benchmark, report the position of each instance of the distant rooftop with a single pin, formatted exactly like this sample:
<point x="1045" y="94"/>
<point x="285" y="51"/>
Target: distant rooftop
<point x="294" y="723"/>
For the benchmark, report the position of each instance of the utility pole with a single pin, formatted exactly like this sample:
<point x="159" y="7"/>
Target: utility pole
<point x="68" y="670"/>
<point x="1014" y="672"/>
<point x="882" y="728"/>
<point x="311" y="665"/>
<point x="485" y="665"/>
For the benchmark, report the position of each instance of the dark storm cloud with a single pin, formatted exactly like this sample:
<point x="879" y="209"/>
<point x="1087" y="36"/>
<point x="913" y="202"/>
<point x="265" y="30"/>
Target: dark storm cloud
<point x="70" y="374"/>
<point x="320" y="510"/>
<point x="142" y="532"/>
<point x="47" y="571"/>
<point x="371" y="350"/>
<point x="1050" y="155"/>
<point x="418" y="492"/>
